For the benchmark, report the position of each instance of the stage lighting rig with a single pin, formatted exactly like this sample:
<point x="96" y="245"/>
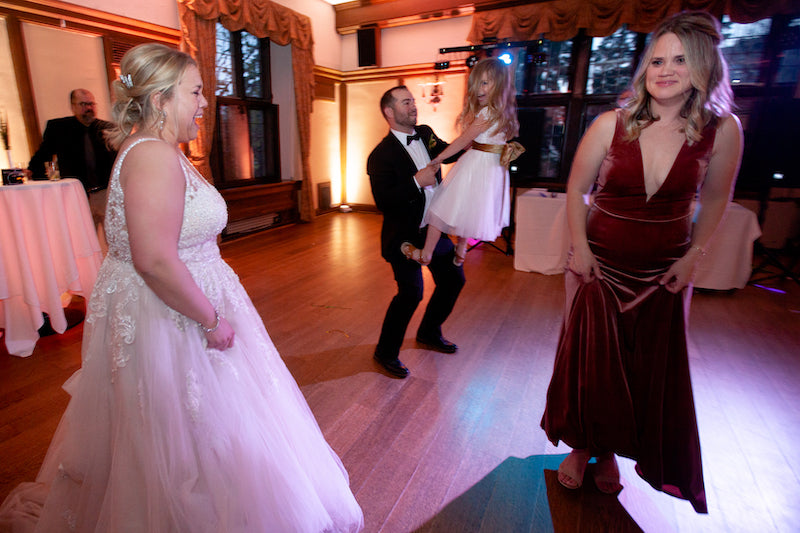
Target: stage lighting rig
<point x="490" y="46"/>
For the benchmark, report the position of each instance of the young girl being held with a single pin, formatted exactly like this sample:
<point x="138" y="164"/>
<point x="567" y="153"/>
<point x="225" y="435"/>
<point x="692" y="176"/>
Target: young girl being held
<point x="473" y="200"/>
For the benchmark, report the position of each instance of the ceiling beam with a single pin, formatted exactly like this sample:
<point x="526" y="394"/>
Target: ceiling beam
<point x="351" y="16"/>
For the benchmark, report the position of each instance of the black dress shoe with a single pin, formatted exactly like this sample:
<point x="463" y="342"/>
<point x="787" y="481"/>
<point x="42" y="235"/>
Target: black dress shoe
<point x="393" y="366"/>
<point x="440" y="344"/>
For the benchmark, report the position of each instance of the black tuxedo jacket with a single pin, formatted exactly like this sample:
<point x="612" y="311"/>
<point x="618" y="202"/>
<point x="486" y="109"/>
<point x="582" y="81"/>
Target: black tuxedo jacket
<point x="391" y="174"/>
<point x="64" y="137"/>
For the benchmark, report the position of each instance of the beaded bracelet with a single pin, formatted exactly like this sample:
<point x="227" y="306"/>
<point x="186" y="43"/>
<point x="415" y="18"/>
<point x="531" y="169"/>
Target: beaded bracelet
<point x="699" y="249"/>
<point x="213" y="328"/>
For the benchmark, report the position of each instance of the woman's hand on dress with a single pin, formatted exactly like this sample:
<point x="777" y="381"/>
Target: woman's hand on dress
<point x="583" y="263"/>
<point x="680" y="274"/>
<point x="222" y="337"/>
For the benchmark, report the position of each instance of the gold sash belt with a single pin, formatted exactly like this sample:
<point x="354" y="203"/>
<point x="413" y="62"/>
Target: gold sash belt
<point x="508" y="152"/>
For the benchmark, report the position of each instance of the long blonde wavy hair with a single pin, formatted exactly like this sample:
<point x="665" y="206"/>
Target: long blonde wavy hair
<point x="501" y="102"/>
<point x="147" y="69"/>
<point x="711" y="96"/>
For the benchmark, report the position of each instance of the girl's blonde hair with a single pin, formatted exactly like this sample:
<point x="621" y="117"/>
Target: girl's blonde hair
<point x="711" y="96"/>
<point x="501" y="101"/>
<point x="145" y="70"/>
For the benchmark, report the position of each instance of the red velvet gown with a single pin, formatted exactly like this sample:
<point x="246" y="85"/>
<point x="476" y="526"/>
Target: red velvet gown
<point x="621" y="378"/>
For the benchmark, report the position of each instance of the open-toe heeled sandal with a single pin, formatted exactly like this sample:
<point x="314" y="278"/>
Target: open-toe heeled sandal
<point x="606" y="475"/>
<point x="573" y="479"/>
<point x="413" y="253"/>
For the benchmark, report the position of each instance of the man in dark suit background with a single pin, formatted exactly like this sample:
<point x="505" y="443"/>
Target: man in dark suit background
<point x="402" y="182"/>
<point x="79" y="143"/>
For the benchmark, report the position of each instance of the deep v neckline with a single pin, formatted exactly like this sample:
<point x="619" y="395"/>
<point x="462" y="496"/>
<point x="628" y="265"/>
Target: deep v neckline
<point x="666" y="179"/>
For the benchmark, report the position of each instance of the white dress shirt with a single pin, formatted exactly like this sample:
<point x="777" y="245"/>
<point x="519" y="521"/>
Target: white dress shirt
<point x="421" y="159"/>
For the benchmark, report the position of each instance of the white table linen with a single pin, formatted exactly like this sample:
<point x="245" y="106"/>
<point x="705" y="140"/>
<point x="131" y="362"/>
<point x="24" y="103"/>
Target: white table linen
<point x="542" y="241"/>
<point x="728" y="263"/>
<point x="48" y="246"/>
<point x="541" y="237"/>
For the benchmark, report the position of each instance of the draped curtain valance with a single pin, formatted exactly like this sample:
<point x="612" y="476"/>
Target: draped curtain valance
<point x="560" y="20"/>
<point x="261" y="18"/>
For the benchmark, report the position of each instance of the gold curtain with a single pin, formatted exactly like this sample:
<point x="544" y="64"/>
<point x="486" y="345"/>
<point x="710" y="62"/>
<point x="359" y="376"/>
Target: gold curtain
<point x="261" y="18"/>
<point x="560" y="20"/>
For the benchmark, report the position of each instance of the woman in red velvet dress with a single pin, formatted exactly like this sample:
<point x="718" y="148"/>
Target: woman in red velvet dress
<point x="621" y="380"/>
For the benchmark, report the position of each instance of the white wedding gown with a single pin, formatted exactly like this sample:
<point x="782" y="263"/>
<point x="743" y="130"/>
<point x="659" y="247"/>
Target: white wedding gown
<point x="164" y="435"/>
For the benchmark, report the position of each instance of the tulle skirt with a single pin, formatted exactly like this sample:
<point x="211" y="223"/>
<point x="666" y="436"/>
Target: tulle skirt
<point x="473" y="200"/>
<point x="164" y="435"/>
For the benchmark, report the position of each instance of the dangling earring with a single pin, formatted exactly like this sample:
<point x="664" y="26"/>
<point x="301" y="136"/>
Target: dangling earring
<point x="161" y="120"/>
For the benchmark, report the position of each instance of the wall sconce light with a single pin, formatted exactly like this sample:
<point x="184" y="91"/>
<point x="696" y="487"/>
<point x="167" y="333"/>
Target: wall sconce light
<point x="471" y="61"/>
<point x="436" y="92"/>
<point x="441" y="65"/>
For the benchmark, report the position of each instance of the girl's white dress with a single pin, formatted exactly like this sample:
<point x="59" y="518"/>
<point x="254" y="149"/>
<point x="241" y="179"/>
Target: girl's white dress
<point x="164" y="435"/>
<point x="473" y="200"/>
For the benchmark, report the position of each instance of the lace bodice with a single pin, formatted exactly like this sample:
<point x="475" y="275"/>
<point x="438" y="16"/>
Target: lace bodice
<point x="489" y="136"/>
<point x="119" y="287"/>
<point x="204" y="216"/>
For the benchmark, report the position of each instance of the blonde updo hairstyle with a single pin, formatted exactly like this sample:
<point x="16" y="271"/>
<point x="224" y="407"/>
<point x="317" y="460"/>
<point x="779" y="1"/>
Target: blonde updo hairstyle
<point x="711" y="96"/>
<point x="147" y="69"/>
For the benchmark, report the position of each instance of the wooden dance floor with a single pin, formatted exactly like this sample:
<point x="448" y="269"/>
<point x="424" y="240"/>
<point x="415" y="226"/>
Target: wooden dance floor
<point x="457" y="446"/>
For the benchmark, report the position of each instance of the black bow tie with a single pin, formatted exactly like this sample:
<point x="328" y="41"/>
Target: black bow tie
<point x="411" y="138"/>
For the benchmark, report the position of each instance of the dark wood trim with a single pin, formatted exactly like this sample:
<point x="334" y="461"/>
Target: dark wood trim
<point x="254" y="201"/>
<point x="343" y="140"/>
<point x="259" y="199"/>
<point x="388" y="73"/>
<point x="22" y="74"/>
<point x="111" y="74"/>
<point x="351" y="16"/>
<point x="324" y="89"/>
<point x="581" y="46"/>
<point x="84" y="19"/>
<point x="327" y="74"/>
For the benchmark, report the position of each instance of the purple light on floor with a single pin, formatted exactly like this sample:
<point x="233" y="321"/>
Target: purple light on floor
<point x="770" y="289"/>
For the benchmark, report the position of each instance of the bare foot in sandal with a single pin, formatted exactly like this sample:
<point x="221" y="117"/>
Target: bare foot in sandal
<point x="413" y="253"/>
<point x="571" y="470"/>
<point x="460" y="252"/>
<point x="606" y="474"/>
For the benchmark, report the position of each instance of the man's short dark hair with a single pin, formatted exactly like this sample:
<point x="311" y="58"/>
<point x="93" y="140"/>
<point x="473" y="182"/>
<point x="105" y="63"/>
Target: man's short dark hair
<point x="387" y="100"/>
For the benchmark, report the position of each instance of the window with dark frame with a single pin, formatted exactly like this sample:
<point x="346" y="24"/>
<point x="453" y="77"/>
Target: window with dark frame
<point x="764" y="60"/>
<point x="743" y="49"/>
<point x="246" y="149"/>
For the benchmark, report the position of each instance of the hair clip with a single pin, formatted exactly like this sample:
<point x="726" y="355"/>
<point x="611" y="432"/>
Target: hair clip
<point x="126" y="80"/>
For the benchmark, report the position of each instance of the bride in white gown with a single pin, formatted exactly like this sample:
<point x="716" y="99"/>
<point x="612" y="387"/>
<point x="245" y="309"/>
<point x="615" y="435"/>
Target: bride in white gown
<point x="183" y="417"/>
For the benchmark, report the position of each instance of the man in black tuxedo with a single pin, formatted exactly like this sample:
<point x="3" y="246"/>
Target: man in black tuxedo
<point x="79" y="143"/>
<point x="402" y="181"/>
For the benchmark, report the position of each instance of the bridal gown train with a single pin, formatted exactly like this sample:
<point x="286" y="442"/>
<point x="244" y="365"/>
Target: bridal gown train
<point x="164" y="435"/>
